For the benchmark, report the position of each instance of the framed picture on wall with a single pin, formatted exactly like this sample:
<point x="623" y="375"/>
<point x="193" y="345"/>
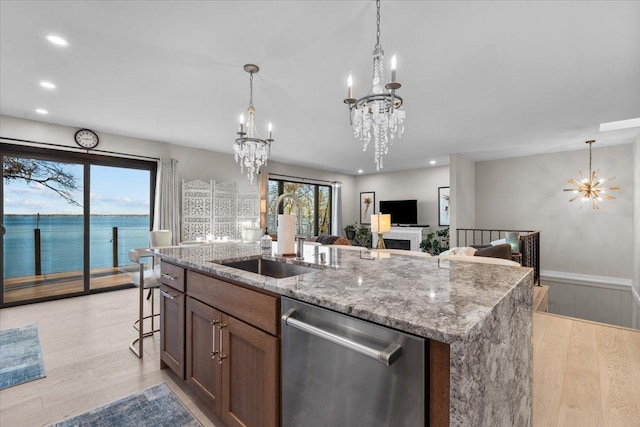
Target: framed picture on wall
<point x="443" y="206"/>
<point x="367" y="206"/>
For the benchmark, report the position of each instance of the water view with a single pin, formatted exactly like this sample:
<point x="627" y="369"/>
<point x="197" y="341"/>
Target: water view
<point x="62" y="242"/>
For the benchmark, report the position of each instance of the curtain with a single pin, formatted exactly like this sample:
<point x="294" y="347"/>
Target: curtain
<point x="336" y="214"/>
<point x="166" y="204"/>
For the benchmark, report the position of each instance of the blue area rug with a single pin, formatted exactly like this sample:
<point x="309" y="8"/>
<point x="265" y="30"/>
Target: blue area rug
<point x="156" y="406"/>
<point x="20" y="356"/>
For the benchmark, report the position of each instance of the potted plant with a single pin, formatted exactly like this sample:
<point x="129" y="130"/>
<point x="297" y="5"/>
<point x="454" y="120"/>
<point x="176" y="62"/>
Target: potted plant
<point x="350" y="230"/>
<point x="363" y="237"/>
<point x="430" y="244"/>
<point x="443" y="234"/>
<point x="436" y="245"/>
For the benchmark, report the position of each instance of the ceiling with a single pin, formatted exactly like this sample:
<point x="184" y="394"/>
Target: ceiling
<point x="486" y="79"/>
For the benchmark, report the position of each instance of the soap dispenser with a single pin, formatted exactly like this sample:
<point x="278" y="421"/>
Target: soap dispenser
<point x="265" y="243"/>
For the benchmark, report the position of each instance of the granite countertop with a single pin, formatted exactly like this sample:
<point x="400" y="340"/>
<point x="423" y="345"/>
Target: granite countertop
<point x="430" y="297"/>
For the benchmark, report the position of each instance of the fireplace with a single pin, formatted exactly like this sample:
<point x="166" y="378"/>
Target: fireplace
<point x="407" y="238"/>
<point x="398" y="244"/>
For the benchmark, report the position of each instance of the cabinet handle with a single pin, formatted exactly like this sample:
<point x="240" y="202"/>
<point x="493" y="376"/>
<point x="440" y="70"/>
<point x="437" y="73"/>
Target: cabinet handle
<point x="214" y="352"/>
<point x="167" y="295"/>
<point x="168" y="277"/>
<point x="221" y="357"/>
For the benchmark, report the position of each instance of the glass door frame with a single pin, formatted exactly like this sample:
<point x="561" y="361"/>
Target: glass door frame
<point x="86" y="160"/>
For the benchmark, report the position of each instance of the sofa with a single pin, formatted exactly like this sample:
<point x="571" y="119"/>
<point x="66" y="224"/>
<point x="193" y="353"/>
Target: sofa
<point x="330" y="240"/>
<point x="497" y="251"/>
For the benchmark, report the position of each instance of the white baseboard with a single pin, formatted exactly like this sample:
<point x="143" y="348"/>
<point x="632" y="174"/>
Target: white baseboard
<point x="599" y="298"/>
<point x="586" y="279"/>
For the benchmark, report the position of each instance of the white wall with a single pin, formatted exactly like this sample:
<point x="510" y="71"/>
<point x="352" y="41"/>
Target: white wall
<point x="526" y="193"/>
<point x="12" y="127"/>
<point x="462" y="203"/>
<point x="421" y="184"/>
<point x="193" y="163"/>
<point x="586" y="255"/>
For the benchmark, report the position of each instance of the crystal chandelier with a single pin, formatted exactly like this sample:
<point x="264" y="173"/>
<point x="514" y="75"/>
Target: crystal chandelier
<point x="377" y="115"/>
<point x="590" y="187"/>
<point x="249" y="149"/>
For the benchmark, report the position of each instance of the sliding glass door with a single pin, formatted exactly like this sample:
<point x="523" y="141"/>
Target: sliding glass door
<point x="70" y="220"/>
<point x="120" y="220"/>
<point x="43" y="217"/>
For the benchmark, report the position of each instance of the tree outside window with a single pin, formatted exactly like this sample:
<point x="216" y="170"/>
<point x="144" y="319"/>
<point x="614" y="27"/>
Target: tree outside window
<point x="315" y="200"/>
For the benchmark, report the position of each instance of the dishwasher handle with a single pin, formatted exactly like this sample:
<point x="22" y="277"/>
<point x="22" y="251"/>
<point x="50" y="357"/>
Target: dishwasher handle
<point x="387" y="356"/>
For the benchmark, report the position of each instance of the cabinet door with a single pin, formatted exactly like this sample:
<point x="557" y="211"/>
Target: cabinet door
<point x="203" y="342"/>
<point x="250" y="375"/>
<point x="172" y="330"/>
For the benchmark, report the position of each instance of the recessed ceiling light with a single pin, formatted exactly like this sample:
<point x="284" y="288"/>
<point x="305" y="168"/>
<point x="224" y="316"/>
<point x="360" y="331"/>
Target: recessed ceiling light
<point x="620" y="124"/>
<point x="47" y="85"/>
<point x="433" y="162"/>
<point x="41" y="111"/>
<point x="360" y="171"/>
<point x="57" y="40"/>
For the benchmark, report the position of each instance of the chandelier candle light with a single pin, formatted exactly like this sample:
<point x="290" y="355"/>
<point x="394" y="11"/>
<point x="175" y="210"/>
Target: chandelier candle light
<point x="378" y="114"/>
<point x="590" y="187"/>
<point x="249" y="149"/>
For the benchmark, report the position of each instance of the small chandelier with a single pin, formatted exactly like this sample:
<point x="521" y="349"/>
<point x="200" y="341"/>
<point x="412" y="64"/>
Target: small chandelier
<point x="590" y="187"/>
<point x="249" y="149"/>
<point x="378" y="113"/>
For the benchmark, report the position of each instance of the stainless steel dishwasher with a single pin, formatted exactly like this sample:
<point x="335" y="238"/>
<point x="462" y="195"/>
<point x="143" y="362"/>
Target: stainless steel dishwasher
<point x="342" y="371"/>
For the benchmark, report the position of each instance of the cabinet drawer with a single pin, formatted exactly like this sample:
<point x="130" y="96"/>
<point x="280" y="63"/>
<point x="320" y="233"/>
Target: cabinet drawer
<point x="250" y="306"/>
<point x="172" y="275"/>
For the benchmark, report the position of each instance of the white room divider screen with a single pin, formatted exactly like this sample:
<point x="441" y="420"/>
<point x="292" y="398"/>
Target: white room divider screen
<point x="218" y="210"/>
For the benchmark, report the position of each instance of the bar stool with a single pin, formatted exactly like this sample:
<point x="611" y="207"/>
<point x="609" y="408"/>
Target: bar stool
<point x="160" y="238"/>
<point x="157" y="239"/>
<point x="147" y="277"/>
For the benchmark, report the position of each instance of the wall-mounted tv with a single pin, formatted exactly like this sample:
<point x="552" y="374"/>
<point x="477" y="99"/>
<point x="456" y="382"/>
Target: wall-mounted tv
<point x="403" y="212"/>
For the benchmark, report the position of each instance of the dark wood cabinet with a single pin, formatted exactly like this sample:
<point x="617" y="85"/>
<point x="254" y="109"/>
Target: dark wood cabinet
<point x="172" y="312"/>
<point x="249" y="375"/>
<point x="203" y="343"/>
<point x="232" y="363"/>
<point x="172" y="330"/>
<point x="255" y="308"/>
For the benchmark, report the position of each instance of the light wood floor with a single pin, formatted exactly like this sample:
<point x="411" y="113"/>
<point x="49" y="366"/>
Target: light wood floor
<point x="584" y="373"/>
<point x="85" y="343"/>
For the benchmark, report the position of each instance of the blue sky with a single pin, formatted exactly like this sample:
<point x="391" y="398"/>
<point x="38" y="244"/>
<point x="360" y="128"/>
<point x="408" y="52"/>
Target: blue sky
<point x="113" y="191"/>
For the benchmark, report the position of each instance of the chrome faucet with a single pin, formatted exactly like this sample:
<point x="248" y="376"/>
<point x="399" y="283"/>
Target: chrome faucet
<point x="300" y="238"/>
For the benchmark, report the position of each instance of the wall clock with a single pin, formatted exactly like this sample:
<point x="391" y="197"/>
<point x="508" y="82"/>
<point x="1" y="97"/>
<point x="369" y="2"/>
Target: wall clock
<point x="86" y="138"/>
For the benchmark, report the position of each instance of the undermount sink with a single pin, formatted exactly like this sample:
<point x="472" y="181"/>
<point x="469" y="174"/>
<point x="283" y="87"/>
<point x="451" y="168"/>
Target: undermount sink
<point x="266" y="267"/>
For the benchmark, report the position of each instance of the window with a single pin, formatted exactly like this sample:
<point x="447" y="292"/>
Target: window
<point x="316" y="205"/>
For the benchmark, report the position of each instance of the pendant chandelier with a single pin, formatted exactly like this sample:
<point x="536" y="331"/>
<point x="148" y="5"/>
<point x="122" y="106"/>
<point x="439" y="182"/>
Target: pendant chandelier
<point x="249" y="149"/>
<point x="377" y="115"/>
<point x="590" y="187"/>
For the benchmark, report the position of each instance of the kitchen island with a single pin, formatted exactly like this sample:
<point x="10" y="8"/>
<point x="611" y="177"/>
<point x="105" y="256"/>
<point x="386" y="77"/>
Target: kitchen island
<point x="477" y="317"/>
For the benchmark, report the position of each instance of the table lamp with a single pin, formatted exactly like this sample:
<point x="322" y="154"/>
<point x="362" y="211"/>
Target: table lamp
<point x="380" y="223"/>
